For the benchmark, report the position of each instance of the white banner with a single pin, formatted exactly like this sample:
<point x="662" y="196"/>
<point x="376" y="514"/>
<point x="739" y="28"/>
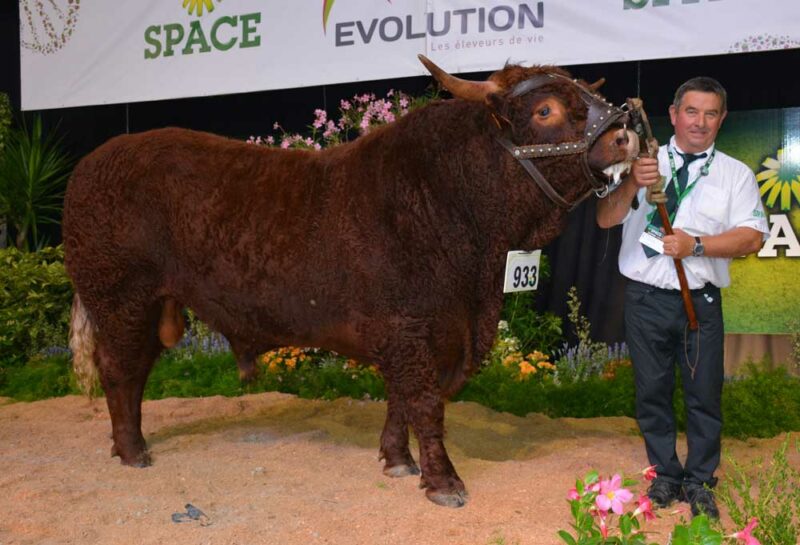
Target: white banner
<point x="76" y="53"/>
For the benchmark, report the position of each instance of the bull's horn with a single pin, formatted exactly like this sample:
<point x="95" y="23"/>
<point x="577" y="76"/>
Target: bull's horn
<point x="460" y="88"/>
<point x="596" y="85"/>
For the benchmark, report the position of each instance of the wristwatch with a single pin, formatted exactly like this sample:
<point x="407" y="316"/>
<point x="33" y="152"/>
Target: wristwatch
<point x="698" y="249"/>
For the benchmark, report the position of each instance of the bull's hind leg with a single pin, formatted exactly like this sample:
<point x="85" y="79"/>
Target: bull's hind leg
<point x="394" y="440"/>
<point x="127" y="346"/>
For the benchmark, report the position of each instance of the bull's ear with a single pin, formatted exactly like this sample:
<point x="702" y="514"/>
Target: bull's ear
<point x="460" y="88"/>
<point x="596" y="85"/>
<point x="496" y="105"/>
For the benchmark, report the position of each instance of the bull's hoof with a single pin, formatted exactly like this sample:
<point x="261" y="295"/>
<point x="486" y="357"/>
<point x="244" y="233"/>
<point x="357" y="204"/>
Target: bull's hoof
<point x="142" y="459"/>
<point x="448" y="498"/>
<point x="402" y="470"/>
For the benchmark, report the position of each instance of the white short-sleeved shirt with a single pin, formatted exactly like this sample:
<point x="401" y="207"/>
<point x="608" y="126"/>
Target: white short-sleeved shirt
<point x="726" y="198"/>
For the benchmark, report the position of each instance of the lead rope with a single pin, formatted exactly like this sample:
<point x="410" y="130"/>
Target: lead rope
<point x="692" y="368"/>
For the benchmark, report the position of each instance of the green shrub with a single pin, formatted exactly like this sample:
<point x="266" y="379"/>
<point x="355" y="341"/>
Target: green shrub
<point x="761" y="403"/>
<point x="175" y="375"/>
<point x="41" y="378"/>
<point x="498" y="388"/>
<point x="35" y="299"/>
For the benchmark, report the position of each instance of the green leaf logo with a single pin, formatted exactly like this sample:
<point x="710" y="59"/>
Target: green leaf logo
<point x="326" y="10"/>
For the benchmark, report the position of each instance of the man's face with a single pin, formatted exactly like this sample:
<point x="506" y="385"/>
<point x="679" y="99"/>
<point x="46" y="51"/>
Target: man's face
<point x="697" y="120"/>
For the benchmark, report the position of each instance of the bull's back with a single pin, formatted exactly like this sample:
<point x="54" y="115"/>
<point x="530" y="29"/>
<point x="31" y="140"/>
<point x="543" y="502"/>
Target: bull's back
<point x="203" y="212"/>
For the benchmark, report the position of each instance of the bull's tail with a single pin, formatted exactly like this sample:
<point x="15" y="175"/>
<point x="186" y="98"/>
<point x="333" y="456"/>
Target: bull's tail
<point x="82" y="343"/>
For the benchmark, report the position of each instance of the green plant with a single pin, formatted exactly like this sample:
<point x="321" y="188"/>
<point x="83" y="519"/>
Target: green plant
<point x="33" y="175"/>
<point x="698" y="532"/>
<point x="598" y="511"/>
<point x="587" y="358"/>
<point x="40" y="378"/>
<point x="769" y="493"/>
<point x="745" y="412"/>
<point x="35" y="299"/>
<point x="600" y="515"/>
<point x="534" y="330"/>
<point x="198" y="338"/>
<point x="794" y="334"/>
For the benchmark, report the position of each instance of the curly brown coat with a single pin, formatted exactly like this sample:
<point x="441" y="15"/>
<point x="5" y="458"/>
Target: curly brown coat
<point x="389" y="249"/>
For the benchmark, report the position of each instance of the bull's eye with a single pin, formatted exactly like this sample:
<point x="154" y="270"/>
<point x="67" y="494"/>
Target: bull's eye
<point x="544" y="112"/>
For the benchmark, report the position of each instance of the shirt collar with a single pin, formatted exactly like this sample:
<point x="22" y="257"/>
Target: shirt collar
<point x="674" y="145"/>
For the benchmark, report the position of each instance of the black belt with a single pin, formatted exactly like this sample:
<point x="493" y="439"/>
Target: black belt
<point x="706" y="287"/>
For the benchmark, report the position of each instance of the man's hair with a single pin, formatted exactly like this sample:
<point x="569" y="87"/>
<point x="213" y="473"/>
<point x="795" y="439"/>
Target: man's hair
<point x="704" y="85"/>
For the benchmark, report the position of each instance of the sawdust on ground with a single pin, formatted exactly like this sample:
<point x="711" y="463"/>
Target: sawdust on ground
<point x="275" y="469"/>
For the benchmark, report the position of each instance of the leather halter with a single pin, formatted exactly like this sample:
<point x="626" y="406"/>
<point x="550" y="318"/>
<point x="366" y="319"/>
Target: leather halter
<point x="601" y="115"/>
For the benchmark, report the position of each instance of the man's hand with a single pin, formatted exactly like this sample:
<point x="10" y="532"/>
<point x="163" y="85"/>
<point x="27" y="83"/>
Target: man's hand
<point x="644" y="172"/>
<point x="679" y="244"/>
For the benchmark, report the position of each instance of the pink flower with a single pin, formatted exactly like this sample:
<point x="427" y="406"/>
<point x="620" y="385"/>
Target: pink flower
<point x="649" y="473"/>
<point x="573" y="494"/>
<point x="746" y="534"/>
<point x="612" y="495"/>
<point x="645" y="508"/>
<point x="365" y="123"/>
<point x="345" y="105"/>
<point x="320" y="117"/>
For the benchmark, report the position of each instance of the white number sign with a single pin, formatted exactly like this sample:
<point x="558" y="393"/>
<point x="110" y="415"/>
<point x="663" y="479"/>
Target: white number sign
<point x="522" y="271"/>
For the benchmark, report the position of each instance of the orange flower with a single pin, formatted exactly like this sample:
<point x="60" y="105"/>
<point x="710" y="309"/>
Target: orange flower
<point x="525" y="369"/>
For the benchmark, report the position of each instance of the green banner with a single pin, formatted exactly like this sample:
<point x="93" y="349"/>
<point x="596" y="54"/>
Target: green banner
<point x="765" y="288"/>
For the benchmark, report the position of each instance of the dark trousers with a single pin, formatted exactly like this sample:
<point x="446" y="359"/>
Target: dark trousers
<point x="658" y="337"/>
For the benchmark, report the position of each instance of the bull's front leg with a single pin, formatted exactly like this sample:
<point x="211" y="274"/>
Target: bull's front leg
<point x="439" y="478"/>
<point x="418" y="401"/>
<point x="394" y="439"/>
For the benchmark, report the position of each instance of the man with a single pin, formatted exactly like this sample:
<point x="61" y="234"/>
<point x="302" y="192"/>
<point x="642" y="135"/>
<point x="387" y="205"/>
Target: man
<point x="716" y="215"/>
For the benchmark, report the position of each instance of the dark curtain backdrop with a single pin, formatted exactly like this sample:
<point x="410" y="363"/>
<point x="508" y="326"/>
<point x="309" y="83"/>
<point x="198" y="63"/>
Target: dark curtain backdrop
<point x="584" y="256"/>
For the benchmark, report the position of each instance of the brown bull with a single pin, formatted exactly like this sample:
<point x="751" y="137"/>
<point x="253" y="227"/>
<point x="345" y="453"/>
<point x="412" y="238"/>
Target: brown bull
<point x="389" y="249"/>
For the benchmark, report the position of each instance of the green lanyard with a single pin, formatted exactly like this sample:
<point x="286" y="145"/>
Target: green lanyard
<point x="674" y="181"/>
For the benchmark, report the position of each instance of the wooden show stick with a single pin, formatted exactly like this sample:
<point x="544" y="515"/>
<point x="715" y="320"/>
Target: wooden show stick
<point x="648" y="147"/>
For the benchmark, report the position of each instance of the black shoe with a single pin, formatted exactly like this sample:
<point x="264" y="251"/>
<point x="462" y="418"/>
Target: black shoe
<point x="701" y="499"/>
<point x="663" y="492"/>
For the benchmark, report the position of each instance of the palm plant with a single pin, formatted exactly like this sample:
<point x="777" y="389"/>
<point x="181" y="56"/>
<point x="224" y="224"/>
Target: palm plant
<point x="33" y="176"/>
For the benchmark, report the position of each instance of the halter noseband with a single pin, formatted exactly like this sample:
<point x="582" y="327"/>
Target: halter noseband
<point x="601" y="115"/>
